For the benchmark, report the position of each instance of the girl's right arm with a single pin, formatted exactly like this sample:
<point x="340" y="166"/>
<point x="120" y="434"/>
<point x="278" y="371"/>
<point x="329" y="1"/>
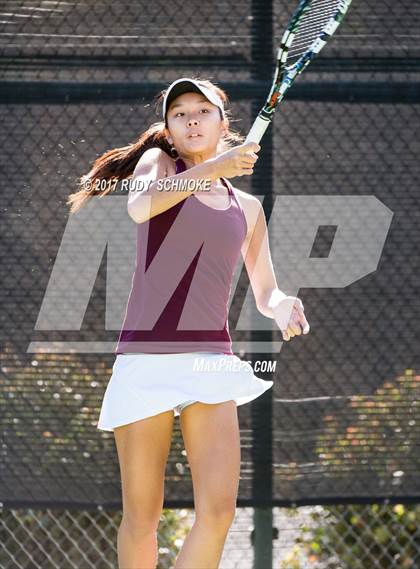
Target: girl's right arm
<point x="147" y="199"/>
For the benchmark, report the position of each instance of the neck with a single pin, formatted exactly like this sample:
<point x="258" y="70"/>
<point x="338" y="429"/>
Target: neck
<point x="195" y="159"/>
<point x="213" y="186"/>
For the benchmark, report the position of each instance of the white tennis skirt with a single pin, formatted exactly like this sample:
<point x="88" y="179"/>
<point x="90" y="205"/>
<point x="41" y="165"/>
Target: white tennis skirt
<point x="143" y="385"/>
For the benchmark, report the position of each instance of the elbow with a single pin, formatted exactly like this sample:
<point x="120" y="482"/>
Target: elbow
<point x="137" y="211"/>
<point x="138" y="217"/>
<point x="139" y="207"/>
<point x="134" y="215"/>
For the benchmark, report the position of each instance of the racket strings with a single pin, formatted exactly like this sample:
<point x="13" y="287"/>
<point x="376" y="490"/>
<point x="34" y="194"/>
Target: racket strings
<point x="310" y="26"/>
<point x="314" y="20"/>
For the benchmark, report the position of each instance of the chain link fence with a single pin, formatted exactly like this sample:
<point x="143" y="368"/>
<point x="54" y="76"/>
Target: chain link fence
<point x="332" y="452"/>
<point x="363" y="536"/>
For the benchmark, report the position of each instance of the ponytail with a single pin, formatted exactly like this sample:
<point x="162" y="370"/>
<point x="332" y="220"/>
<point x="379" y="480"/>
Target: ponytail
<point x="115" y="165"/>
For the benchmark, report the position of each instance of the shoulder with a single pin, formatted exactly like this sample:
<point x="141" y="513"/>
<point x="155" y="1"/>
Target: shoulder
<point x="251" y="206"/>
<point x="157" y="158"/>
<point x="247" y="200"/>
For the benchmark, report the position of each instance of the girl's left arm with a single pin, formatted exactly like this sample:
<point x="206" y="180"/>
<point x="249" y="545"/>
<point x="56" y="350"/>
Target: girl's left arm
<point x="287" y="311"/>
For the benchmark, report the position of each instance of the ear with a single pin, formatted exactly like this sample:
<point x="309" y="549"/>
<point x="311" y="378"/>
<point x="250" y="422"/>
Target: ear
<point x="224" y="128"/>
<point x="169" y="139"/>
<point x="167" y="136"/>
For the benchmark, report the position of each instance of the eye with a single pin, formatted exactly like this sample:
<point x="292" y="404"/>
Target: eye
<point x="180" y="113"/>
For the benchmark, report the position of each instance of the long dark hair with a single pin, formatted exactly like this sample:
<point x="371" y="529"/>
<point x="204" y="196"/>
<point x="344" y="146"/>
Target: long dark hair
<point x="119" y="163"/>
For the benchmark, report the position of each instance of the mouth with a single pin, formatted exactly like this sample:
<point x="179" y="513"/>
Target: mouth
<point x="194" y="135"/>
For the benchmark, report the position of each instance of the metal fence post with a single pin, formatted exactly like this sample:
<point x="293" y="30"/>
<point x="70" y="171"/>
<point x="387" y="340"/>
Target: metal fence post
<point x="262" y="68"/>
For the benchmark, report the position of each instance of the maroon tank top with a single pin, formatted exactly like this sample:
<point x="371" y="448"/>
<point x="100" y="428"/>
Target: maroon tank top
<point x="186" y="257"/>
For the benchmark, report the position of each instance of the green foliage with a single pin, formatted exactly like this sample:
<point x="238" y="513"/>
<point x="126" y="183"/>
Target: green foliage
<point x="379" y="436"/>
<point x="173" y="529"/>
<point x="369" y="536"/>
<point x="79" y="538"/>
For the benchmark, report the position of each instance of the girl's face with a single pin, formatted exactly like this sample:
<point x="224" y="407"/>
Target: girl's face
<point x="191" y="113"/>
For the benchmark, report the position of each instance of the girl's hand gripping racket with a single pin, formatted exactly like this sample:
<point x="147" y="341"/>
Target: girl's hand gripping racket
<point x="310" y="27"/>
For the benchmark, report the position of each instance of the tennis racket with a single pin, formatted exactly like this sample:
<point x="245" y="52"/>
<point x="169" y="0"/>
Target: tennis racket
<point x="310" y="27"/>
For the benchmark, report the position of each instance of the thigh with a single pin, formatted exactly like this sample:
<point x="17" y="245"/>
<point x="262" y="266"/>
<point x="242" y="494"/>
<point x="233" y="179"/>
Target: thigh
<point x="212" y="442"/>
<point x="143" y="448"/>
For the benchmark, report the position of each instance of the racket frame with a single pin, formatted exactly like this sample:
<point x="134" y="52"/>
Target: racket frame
<point x="285" y="76"/>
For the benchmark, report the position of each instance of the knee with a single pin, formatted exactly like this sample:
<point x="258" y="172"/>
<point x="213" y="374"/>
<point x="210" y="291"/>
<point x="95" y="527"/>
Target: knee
<point x="140" y="524"/>
<point x="219" y="516"/>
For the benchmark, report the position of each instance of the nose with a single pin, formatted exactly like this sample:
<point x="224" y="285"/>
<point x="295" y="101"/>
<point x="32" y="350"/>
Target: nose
<point x="193" y="121"/>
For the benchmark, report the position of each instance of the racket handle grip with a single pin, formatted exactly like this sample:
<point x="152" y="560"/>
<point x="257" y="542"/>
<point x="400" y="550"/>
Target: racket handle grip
<point x="257" y="130"/>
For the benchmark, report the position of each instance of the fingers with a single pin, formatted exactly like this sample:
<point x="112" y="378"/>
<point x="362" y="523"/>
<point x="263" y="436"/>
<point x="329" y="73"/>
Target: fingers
<point x="247" y="167"/>
<point x="247" y="163"/>
<point x="249" y="158"/>
<point x="246" y="158"/>
<point x="298" y="323"/>
<point x="250" y="146"/>
<point x="306" y="327"/>
<point x="286" y="336"/>
<point x="295" y="328"/>
<point x="301" y="318"/>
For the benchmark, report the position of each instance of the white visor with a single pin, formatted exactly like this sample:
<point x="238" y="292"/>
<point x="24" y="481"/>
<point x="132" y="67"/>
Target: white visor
<point x="186" y="85"/>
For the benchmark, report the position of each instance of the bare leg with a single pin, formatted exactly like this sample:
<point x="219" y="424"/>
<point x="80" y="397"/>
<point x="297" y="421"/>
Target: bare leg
<point x="136" y="551"/>
<point x="143" y="448"/>
<point x="212" y="441"/>
<point x="203" y="547"/>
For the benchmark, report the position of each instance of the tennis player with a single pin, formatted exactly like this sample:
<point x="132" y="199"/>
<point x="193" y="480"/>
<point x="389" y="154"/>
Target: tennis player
<point x="188" y="242"/>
